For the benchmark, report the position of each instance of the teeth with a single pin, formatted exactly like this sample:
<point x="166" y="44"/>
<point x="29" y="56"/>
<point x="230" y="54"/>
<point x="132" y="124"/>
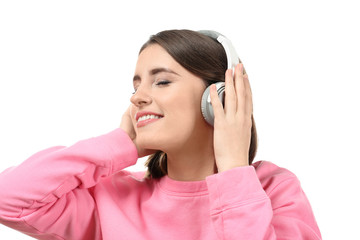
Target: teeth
<point x="146" y="117"/>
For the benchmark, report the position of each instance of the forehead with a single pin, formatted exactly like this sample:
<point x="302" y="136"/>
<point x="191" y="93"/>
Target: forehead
<point x="154" y="56"/>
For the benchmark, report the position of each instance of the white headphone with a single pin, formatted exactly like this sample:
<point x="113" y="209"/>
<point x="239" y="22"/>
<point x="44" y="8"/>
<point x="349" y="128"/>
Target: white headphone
<point x="232" y="61"/>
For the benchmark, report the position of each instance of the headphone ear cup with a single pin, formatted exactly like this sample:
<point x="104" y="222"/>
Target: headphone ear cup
<point x="206" y="106"/>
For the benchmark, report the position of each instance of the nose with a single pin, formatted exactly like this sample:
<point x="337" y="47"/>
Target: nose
<point x="141" y="97"/>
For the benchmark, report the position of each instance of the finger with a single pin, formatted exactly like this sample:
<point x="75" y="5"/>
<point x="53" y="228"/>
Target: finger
<point x="230" y="94"/>
<point x="239" y="87"/>
<point x="127" y="122"/>
<point x="216" y="103"/>
<point x="248" y="97"/>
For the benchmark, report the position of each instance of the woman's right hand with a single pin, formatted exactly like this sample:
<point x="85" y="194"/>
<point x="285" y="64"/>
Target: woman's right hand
<point x="127" y="125"/>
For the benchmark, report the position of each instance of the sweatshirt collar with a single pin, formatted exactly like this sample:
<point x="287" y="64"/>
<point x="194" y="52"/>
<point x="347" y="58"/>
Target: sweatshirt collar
<point x="182" y="188"/>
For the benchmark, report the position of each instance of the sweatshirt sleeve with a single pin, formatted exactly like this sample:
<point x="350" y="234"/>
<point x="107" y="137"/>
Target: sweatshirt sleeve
<point x="264" y="204"/>
<point x="49" y="195"/>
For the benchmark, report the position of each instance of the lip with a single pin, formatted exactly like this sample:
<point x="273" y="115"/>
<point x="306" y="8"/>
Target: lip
<point x="147" y="121"/>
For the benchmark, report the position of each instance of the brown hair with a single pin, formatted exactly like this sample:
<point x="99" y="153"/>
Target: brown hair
<point x="202" y="56"/>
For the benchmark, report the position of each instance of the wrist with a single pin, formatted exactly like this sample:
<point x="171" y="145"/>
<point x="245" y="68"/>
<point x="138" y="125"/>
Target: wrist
<point x="230" y="165"/>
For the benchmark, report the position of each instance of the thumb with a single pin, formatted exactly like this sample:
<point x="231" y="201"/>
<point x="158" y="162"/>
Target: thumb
<point x="127" y="125"/>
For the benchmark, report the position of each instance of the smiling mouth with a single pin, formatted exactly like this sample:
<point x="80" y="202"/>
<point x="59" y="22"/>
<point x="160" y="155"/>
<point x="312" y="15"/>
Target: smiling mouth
<point x="147" y="119"/>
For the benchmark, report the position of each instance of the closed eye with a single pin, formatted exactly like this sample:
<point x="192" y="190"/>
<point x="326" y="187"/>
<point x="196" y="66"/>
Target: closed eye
<point x="163" y="82"/>
<point x="159" y="83"/>
<point x="135" y="89"/>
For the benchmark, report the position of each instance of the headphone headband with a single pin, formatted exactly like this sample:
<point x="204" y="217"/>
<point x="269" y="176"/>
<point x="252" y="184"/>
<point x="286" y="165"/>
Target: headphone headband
<point x="231" y="55"/>
<point x="232" y="60"/>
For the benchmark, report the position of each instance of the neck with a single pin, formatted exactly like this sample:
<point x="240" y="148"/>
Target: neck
<point x="192" y="162"/>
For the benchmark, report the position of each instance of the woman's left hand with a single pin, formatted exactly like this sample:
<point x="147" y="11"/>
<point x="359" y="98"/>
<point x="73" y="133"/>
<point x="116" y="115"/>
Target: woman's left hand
<point x="232" y="124"/>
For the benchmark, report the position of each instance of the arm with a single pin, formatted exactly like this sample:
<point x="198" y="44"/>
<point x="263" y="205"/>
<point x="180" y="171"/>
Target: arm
<point x="242" y="207"/>
<point x="49" y="195"/>
<point x="246" y="204"/>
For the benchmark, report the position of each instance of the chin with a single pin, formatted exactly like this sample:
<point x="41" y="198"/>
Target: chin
<point x="166" y="136"/>
<point x="158" y="142"/>
<point x="149" y="142"/>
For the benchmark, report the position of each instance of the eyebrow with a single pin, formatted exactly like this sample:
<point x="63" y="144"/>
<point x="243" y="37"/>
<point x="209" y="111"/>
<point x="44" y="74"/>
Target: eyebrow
<point x="156" y="71"/>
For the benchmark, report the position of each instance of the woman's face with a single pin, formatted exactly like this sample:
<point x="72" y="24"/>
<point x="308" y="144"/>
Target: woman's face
<point x="165" y="109"/>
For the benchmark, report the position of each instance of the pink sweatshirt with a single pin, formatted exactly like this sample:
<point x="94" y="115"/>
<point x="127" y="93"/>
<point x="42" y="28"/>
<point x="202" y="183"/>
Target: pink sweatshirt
<point x="82" y="192"/>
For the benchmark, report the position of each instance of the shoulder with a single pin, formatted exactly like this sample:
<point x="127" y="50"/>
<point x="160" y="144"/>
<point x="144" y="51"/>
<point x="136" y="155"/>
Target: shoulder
<point x="124" y="178"/>
<point x="129" y="184"/>
<point x="130" y="177"/>
<point x="273" y="177"/>
<point x="265" y="169"/>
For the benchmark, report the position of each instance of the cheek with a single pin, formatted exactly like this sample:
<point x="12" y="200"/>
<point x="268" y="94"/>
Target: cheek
<point x="183" y="110"/>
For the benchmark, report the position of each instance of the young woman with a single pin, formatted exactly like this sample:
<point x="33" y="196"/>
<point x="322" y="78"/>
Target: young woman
<point x="201" y="182"/>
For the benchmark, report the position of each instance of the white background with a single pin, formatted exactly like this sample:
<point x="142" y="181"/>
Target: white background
<point x="66" y="70"/>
